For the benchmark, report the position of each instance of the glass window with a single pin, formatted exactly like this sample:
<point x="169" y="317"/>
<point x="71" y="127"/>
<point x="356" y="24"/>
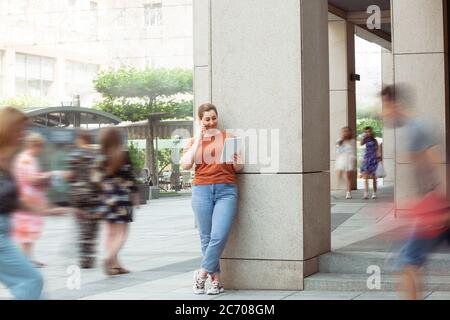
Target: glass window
<point x="93" y="17"/>
<point x="48" y="66"/>
<point x="45" y="88"/>
<point x="78" y="72"/>
<point x="34" y="88"/>
<point x="92" y="70"/>
<point x="69" y="71"/>
<point x="153" y="14"/>
<point x="21" y="87"/>
<point x="33" y="67"/>
<point x="79" y="78"/>
<point x="121" y="19"/>
<point x="34" y="75"/>
<point x="21" y="65"/>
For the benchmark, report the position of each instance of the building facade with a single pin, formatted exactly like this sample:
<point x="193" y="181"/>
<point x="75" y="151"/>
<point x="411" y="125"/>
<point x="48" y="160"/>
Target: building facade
<point x="53" y="49"/>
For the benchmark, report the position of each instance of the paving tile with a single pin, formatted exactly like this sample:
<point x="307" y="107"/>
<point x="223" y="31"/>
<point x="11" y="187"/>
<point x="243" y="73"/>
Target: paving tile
<point x="186" y="296"/>
<point x="322" y="295"/>
<point x="438" y="296"/>
<point x="260" y="292"/>
<point x="236" y="297"/>
<point x="345" y="209"/>
<point x="378" y="296"/>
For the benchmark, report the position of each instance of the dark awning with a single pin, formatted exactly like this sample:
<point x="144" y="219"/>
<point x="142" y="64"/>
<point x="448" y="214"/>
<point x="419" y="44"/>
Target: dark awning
<point x="70" y="116"/>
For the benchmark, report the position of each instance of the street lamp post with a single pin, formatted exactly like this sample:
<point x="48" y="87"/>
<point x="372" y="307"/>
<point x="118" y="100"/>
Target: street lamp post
<point x="176" y="162"/>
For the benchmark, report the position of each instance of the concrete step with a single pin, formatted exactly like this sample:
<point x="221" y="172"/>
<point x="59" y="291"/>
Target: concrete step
<point x="358" y="282"/>
<point x="358" y="263"/>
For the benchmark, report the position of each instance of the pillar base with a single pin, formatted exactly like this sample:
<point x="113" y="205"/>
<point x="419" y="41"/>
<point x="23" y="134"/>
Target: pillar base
<point x="241" y="274"/>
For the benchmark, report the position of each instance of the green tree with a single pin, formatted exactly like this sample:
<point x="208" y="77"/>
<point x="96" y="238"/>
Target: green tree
<point x="23" y="102"/>
<point x="129" y="110"/>
<point x="164" y="159"/>
<point x="133" y="95"/>
<point x="137" y="158"/>
<point x="376" y="124"/>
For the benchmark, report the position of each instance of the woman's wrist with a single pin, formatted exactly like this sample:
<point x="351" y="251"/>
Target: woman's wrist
<point x="238" y="167"/>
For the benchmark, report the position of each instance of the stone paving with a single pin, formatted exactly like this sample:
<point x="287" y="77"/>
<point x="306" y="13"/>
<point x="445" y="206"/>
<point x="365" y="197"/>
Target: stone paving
<point x="163" y="251"/>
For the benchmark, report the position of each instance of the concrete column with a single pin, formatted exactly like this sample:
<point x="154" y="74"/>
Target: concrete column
<point x="9" y="73"/>
<point x="202" y="52"/>
<point x="387" y="78"/>
<point x="342" y="89"/>
<point x="420" y="51"/>
<point x="267" y="70"/>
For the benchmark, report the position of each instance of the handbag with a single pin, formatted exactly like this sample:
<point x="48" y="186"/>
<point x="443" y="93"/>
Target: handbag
<point x="380" y="173"/>
<point x="432" y="215"/>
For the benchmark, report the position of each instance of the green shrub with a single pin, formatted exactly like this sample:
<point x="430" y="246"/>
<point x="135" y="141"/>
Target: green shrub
<point x="376" y="124"/>
<point x="137" y="158"/>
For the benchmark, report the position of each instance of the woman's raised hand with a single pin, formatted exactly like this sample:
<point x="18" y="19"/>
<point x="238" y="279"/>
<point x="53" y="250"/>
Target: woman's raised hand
<point x="238" y="163"/>
<point x="237" y="159"/>
<point x="202" y="132"/>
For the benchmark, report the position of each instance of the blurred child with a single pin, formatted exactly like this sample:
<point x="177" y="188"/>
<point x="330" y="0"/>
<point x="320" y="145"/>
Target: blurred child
<point x="32" y="185"/>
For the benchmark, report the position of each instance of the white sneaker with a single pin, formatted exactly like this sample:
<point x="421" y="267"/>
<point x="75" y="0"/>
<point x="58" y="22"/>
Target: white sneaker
<point x="374" y="196"/>
<point x="199" y="283"/>
<point x="348" y="196"/>
<point x="216" y="288"/>
<point x="366" y="196"/>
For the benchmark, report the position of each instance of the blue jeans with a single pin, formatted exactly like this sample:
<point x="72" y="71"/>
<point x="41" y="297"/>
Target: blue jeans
<point x="417" y="248"/>
<point x="214" y="206"/>
<point x="16" y="272"/>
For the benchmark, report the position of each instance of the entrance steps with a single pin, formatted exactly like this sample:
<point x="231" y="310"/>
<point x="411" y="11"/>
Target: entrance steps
<point x="351" y="271"/>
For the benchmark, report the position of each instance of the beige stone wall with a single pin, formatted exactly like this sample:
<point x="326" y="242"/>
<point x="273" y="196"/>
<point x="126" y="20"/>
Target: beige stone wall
<point x="265" y="66"/>
<point x="342" y="90"/>
<point x="419" y="60"/>
<point x="389" y="147"/>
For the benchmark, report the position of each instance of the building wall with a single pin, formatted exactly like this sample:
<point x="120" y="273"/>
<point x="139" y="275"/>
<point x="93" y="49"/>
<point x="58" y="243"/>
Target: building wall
<point x="420" y="53"/>
<point x="389" y="147"/>
<point x="129" y="36"/>
<point x="341" y="38"/>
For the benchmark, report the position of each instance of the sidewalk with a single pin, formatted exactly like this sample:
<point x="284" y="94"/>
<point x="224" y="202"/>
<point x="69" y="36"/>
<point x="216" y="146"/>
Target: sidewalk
<point x="163" y="251"/>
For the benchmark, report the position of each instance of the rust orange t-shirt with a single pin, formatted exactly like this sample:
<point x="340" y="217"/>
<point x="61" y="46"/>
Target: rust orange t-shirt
<point x="208" y="169"/>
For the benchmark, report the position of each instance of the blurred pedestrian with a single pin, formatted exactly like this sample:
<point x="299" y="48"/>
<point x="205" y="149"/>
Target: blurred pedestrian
<point x="119" y="195"/>
<point x="16" y="271"/>
<point x="32" y="185"/>
<point x="370" y="161"/>
<point x="214" y="195"/>
<point x="346" y="158"/>
<point x="432" y="219"/>
<point x="84" y="176"/>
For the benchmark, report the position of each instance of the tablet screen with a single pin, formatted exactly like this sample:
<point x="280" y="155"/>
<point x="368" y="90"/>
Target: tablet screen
<point x="230" y="147"/>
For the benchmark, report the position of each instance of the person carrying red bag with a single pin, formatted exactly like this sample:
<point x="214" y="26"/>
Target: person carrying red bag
<point x="432" y="212"/>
